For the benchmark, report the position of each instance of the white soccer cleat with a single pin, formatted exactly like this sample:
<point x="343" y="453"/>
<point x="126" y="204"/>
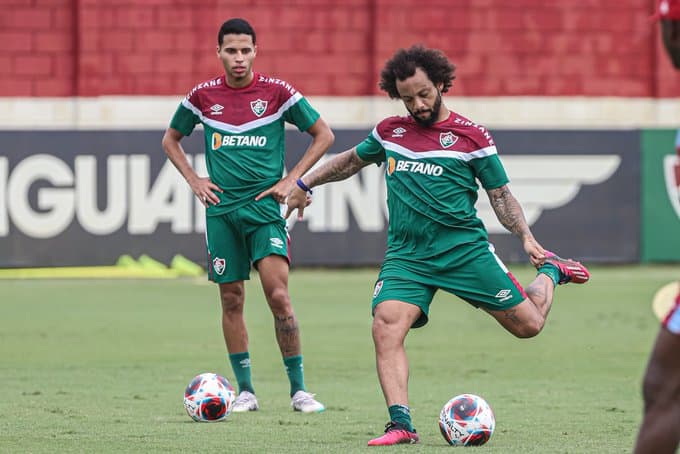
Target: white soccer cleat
<point x="305" y="402"/>
<point x="246" y="401"/>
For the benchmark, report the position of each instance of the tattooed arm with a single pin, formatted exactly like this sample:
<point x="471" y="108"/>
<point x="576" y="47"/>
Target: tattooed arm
<point x="510" y="214"/>
<point x="341" y="166"/>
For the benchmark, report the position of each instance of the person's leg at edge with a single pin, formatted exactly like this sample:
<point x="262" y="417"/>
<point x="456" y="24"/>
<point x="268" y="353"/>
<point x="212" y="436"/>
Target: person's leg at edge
<point x="391" y="322"/>
<point x="659" y="431"/>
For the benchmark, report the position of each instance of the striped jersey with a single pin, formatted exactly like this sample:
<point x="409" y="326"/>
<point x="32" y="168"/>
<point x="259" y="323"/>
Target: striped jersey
<point x="244" y="131"/>
<point x="432" y="176"/>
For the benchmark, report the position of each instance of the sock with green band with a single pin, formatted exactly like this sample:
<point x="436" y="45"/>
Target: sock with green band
<point x="401" y="414"/>
<point x="295" y="372"/>
<point x="551" y="271"/>
<point x="240" y="363"/>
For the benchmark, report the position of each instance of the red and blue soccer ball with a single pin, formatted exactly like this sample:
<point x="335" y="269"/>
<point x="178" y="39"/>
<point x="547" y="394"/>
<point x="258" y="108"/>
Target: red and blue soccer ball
<point x="209" y="398"/>
<point x="467" y="420"/>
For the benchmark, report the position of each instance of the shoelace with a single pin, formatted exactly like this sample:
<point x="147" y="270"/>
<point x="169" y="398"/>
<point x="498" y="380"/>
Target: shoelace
<point x="393" y="426"/>
<point x="242" y="399"/>
<point x="305" y="398"/>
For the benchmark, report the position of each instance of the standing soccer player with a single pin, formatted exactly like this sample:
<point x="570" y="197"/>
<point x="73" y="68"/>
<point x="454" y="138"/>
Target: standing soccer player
<point x="660" y="429"/>
<point x="433" y="158"/>
<point x="243" y="115"/>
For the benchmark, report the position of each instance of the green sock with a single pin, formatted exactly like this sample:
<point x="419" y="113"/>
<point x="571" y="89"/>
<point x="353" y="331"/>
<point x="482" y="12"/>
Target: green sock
<point x="240" y="363"/>
<point x="295" y="372"/>
<point x="402" y="415"/>
<point x="551" y="271"/>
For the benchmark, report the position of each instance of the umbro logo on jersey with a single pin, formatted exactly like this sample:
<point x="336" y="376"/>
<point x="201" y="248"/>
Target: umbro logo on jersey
<point x="446" y="139"/>
<point x="276" y="242"/>
<point x="258" y="107"/>
<point x="216" y="109"/>
<point x="398" y="132"/>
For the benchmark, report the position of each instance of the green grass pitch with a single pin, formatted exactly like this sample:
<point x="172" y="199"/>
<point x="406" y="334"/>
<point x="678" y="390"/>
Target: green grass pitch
<point x="101" y="366"/>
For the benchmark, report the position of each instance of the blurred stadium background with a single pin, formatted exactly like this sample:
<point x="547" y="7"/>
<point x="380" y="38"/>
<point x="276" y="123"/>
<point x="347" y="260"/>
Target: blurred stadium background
<point x="579" y="95"/>
<point x="582" y="102"/>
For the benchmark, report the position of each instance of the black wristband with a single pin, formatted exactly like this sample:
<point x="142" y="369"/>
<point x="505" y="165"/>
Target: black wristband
<point x="303" y="186"/>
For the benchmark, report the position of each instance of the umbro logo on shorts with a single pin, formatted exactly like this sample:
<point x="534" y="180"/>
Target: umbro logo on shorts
<point x="504" y="295"/>
<point x="276" y="242"/>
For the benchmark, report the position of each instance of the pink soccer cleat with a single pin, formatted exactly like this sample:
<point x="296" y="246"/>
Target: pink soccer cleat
<point x="570" y="270"/>
<point x="395" y="434"/>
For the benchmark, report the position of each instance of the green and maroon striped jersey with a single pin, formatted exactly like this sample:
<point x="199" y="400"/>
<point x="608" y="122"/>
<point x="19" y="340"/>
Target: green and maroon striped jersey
<point x="244" y="131"/>
<point x="432" y="177"/>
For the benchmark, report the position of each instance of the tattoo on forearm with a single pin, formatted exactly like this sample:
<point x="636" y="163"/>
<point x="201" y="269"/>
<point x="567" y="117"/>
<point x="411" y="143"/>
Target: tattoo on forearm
<point x="508" y="211"/>
<point x="343" y="166"/>
<point x="287" y="335"/>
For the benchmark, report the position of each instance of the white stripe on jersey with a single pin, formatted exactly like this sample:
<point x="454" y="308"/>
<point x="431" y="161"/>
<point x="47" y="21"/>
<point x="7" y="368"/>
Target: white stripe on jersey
<point x="387" y="145"/>
<point x="234" y="129"/>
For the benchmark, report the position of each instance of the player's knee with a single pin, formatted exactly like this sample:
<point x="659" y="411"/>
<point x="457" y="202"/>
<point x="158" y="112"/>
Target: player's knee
<point x="381" y="329"/>
<point x="232" y="299"/>
<point x="279" y="300"/>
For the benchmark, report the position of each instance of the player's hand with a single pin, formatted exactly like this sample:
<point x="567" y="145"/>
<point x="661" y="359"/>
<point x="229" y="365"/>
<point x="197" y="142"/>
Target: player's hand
<point x="279" y="191"/>
<point x="297" y="200"/>
<point x="205" y="190"/>
<point x="535" y="251"/>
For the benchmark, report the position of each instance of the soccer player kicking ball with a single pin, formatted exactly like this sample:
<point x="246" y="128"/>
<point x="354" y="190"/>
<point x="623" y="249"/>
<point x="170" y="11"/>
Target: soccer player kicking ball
<point x="433" y="158"/>
<point x="243" y="115"/>
<point x="660" y="429"/>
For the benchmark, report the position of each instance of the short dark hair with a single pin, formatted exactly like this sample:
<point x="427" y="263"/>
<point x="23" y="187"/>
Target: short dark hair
<point x="235" y="26"/>
<point x="404" y="63"/>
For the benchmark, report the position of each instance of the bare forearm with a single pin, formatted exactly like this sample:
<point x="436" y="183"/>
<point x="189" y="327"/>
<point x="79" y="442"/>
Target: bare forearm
<point x="320" y="144"/>
<point x="340" y="167"/>
<point x="509" y="212"/>
<point x="173" y="149"/>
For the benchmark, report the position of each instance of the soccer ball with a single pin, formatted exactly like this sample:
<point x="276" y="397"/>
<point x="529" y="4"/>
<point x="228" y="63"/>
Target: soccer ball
<point x="209" y="397"/>
<point x="467" y="420"/>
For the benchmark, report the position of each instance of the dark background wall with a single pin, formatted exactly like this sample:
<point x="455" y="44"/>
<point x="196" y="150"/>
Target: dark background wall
<point x="87" y="197"/>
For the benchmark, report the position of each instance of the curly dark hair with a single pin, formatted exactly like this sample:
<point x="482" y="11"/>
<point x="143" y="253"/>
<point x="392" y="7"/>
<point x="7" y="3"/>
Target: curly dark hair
<point x="404" y="63"/>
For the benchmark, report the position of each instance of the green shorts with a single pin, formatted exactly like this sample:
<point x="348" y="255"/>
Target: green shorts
<point x="481" y="279"/>
<point x="238" y="239"/>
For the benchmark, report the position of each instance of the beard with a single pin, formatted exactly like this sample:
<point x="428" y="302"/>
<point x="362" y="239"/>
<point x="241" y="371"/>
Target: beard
<point x="434" y="113"/>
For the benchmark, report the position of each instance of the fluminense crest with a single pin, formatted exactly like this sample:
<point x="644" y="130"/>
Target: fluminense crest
<point x="446" y="139"/>
<point x="219" y="265"/>
<point x="258" y="107"/>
